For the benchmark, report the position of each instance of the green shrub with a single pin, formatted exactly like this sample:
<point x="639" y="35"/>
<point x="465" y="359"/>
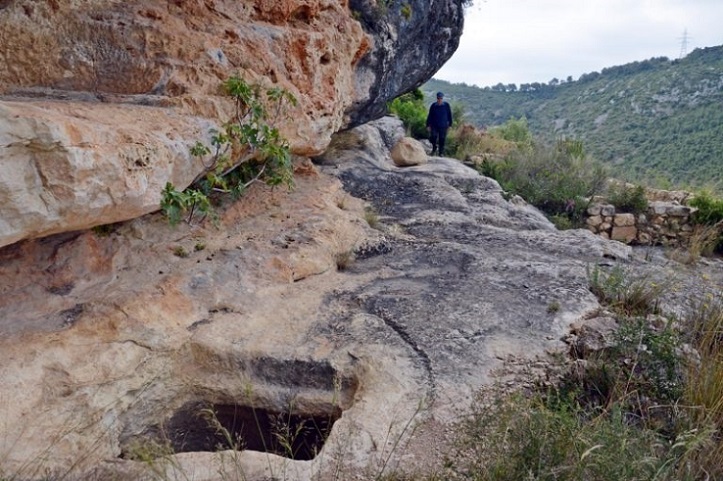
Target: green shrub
<point x="490" y="168"/>
<point x="176" y="204"/>
<point x="652" y="361"/>
<point x="515" y="130"/>
<point x="710" y="213"/>
<point x="627" y="198"/>
<point x="710" y="208"/>
<point x="412" y="112"/>
<point x="552" y="179"/>
<point x="562" y="221"/>
<point x="488" y="145"/>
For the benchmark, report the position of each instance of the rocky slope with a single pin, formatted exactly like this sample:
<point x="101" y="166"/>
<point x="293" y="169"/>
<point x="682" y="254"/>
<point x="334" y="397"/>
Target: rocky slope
<point x="102" y="99"/>
<point x="113" y="343"/>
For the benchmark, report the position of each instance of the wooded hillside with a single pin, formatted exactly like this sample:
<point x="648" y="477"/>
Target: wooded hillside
<point x="657" y="121"/>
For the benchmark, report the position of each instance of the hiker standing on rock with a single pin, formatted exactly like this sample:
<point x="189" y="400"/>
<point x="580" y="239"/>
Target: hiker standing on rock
<point x="438" y="121"/>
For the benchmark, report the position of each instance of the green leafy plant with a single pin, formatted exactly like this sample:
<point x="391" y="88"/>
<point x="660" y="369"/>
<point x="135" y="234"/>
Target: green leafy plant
<point x="175" y="204"/>
<point x="516" y="130"/>
<point x="246" y="149"/>
<point x="710" y="208"/>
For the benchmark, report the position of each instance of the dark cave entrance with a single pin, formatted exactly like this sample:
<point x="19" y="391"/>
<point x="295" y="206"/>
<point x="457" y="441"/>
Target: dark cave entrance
<point x="219" y="427"/>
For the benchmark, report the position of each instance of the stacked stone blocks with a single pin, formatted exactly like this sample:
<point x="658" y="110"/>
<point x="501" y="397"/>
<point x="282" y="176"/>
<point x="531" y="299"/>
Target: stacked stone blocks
<point x="663" y="223"/>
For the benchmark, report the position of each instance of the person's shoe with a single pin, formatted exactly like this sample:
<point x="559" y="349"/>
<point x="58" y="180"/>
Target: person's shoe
<point x="434" y="151"/>
<point x="441" y="153"/>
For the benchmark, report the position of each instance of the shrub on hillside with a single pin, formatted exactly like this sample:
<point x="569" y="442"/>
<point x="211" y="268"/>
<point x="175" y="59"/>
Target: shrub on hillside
<point x="515" y="130"/>
<point x="541" y="438"/>
<point x="710" y="208"/>
<point x="553" y="179"/>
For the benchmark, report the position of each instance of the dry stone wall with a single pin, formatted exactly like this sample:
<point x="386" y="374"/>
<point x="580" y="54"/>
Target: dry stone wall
<point x="667" y="223"/>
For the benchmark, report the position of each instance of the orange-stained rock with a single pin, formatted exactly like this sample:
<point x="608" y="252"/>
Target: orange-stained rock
<point x="101" y="100"/>
<point x="76" y="149"/>
<point x="183" y="50"/>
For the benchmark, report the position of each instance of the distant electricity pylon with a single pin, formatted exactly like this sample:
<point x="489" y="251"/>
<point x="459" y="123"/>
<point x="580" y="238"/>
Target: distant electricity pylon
<point x="684" y="43"/>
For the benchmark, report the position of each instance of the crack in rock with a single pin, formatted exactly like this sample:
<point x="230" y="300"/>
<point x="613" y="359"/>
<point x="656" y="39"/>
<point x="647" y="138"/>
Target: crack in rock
<point x="395" y="326"/>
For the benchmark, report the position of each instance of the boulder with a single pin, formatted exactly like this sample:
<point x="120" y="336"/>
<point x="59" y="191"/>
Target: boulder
<point x="594" y="220"/>
<point x="588" y="336"/>
<point x="412" y="40"/>
<point x="594" y="209"/>
<point x="607" y="210"/>
<point x="259" y="312"/>
<point x="407" y="152"/>
<point x="108" y="338"/>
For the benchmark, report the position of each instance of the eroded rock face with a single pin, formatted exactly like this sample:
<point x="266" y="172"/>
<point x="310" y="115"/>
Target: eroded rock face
<point x="182" y="50"/>
<point x="293" y="300"/>
<point x="92" y="86"/>
<point x="411" y="40"/>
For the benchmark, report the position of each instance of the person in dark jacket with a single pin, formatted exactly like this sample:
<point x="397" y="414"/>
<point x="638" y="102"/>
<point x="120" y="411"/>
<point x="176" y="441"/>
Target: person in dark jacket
<point x="439" y="120"/>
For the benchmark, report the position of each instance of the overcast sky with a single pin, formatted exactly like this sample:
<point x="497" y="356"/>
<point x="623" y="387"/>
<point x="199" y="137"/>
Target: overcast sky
<point x="524" y="41"/>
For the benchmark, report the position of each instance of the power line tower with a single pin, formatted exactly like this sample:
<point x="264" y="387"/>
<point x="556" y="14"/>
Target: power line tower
<point x="684" y="43"/>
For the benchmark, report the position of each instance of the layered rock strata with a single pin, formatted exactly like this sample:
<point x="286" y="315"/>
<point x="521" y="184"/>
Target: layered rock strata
<point x="115" y="93"/>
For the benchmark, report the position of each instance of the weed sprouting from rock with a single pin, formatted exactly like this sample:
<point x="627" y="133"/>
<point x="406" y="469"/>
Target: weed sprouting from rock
<point x="246" y="149"/>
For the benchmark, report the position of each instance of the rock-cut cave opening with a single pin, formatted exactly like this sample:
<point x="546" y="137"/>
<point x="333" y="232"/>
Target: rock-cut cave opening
<point x="219" y="427"/>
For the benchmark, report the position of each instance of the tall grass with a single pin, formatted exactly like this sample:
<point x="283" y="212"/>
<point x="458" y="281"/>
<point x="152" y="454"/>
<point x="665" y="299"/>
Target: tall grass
<point x="644" y="408"/>
<point x="543" y="439"/>
<point x="710" y="213"/>
<point x="625" y="293"/>
<point x="704" y="387"/>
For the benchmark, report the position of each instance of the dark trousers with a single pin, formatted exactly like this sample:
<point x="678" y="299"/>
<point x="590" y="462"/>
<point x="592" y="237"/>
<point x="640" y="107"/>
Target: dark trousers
<point x="437" y="138"/>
